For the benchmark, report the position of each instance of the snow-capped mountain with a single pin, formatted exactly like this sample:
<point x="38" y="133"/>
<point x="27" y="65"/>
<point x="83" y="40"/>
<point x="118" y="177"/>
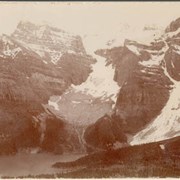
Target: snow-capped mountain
<point x="147" y="106"/>
<point x="124" y="94"/>
<point x="48" y="42"/>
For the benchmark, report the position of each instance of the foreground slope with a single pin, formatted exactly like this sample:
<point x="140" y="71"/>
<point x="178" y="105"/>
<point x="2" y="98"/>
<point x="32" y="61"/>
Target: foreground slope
<point x="159" y="159"/>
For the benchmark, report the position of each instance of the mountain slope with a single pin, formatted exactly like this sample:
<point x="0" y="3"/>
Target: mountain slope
<point x="166" y="125"/>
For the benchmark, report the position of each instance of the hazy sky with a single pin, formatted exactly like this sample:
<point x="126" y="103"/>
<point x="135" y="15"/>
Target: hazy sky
<point x="88" y="17"/>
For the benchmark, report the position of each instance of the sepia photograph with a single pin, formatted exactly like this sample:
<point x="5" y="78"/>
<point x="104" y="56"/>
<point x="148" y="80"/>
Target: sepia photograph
<point x="89" y="89"/>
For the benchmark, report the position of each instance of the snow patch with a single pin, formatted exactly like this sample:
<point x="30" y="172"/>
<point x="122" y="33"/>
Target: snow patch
<point x="155" y="60"/>
<point x="39" y="33"/>
<point x="162" y="146"/>
<point x="147" y="72"/>
<point x="167" y="74"/>
<point x="55" y="57"/>
<point x="134" y="49"/>
<point x="54" y="102"/>
<point x="45" y="62"/>
<point x="76" y="102"/>
<point x="11" y="52"/>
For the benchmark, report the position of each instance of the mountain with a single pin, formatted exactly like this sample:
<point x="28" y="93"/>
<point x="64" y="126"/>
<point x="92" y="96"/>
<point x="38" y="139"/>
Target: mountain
<point x="28" y="80"/>
<point x="57" y="98"/>
<point x="48" y="42"/>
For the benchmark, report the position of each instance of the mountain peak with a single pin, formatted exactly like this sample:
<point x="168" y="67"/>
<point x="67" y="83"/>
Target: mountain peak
<point x="47" y="41"/>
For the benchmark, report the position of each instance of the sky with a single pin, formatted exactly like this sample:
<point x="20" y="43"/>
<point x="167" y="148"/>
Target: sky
<point x="87" y="17"/>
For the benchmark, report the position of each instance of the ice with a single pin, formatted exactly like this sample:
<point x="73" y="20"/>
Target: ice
<point x="100" y="82"/>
